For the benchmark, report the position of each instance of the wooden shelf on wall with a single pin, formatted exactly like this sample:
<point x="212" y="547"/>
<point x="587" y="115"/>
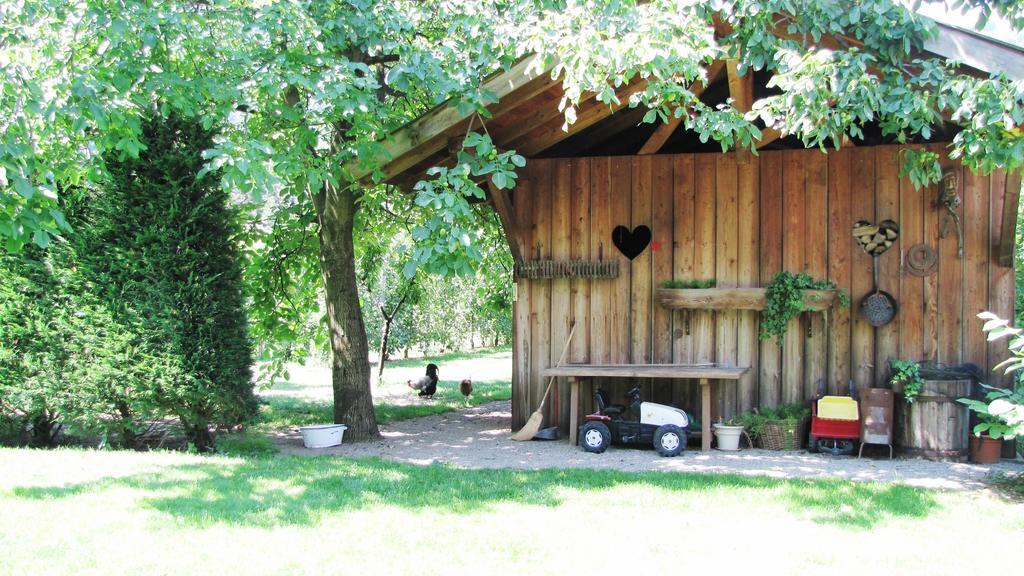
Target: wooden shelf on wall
<point x="735" y="298"/>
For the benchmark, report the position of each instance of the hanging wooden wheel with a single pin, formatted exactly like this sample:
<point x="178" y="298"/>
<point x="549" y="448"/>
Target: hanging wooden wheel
<point x="922" y="260"/>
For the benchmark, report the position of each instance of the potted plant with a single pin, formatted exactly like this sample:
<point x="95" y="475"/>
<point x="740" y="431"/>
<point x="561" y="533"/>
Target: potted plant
<point x="906" y="375"/>
<point x="776" y="428"/>
<point x="1000" y="417"/>
<point x="788" y="294"/>
<point x="728" y="432"/>
<point x="929" y="421"/>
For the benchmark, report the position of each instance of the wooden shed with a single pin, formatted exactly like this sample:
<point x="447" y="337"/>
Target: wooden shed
<point x="736" y="218"/>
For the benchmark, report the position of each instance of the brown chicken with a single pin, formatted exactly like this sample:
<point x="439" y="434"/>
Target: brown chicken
<point x="466" y="386"/>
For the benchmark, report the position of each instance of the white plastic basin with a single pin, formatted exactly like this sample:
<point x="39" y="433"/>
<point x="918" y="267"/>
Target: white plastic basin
<point x="323" y="435"/>
<point x="728" y="437"/>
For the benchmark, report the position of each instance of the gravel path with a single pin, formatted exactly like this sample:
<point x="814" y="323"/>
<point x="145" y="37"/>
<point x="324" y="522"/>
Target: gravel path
<point x="478" y="437"/>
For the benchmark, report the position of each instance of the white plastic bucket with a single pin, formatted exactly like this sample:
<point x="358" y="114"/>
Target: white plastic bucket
<point x="322" y="436"/>
<point x="728" y="437"/>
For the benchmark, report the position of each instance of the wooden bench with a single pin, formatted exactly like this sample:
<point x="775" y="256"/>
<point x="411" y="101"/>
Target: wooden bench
<point x="705" y="373"/>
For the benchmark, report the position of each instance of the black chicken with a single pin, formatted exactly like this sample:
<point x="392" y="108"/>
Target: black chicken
<point x="427" y="385"/>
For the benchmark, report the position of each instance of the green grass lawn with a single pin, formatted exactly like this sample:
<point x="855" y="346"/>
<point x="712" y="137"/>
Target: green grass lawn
<point x="82" y="512"/>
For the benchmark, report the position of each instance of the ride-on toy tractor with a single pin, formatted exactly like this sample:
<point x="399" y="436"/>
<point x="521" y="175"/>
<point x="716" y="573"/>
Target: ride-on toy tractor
<point x="835" y="424"/>
<point x="662" y="426"/>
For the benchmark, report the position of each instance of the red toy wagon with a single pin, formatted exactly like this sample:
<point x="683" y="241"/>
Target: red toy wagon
<point x="835" y="425"/>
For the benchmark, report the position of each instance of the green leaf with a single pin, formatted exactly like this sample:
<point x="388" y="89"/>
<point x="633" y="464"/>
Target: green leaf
<point x="409" y="270"/>
<point x="41" y="238"/>
<point x="58" y="217"/>
<point x="47" y="192"/>
<point x="24" y="187"/>
<point x="499" y="180"/>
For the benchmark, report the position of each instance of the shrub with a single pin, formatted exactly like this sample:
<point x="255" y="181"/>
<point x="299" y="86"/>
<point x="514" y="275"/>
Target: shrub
<point x="754" y="420"/>
<point x="137" y="315"/>
<point x="64" y="360"/>
<point x="171" y="261"/>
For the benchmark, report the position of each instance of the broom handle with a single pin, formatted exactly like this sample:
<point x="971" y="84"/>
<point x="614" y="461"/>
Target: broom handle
<point x="561" y="359"/>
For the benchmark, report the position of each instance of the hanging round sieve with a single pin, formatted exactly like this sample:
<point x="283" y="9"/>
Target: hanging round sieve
<point x="878" y="307"/>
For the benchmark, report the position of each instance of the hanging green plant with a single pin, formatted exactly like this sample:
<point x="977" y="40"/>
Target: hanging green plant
<point x="907" y="373"/>
<point x="688" y="284"/>
<point x="784" y="299"/>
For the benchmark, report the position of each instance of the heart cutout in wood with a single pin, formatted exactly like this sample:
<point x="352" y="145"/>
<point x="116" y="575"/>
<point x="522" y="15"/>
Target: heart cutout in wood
<point x="631" y="244"/>
<point x="875" y="239"/>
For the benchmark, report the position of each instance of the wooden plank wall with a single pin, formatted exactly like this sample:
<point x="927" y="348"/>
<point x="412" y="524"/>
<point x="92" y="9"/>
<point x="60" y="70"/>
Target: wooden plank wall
<point x="739" y="219"/>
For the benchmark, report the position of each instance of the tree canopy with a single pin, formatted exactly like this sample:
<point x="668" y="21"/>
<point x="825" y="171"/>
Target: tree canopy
<point x="281" y="81"/>
<point x="299" y="90"/>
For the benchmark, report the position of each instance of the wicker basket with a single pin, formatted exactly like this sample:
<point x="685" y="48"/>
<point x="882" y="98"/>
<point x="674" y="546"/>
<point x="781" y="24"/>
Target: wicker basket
<point x="782" y="435"/>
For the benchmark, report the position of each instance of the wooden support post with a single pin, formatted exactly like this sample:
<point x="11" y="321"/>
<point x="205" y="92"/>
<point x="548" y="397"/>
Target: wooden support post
<point x="741" y="90"/>
<point x="1009" y="228"/>
<point x="574" y="409"/>
<point x="506" y="214"/>
<point x="705" y="414"/>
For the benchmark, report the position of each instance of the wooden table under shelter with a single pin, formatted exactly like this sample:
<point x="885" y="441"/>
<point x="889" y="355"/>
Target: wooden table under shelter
<point x="705" y="373"/>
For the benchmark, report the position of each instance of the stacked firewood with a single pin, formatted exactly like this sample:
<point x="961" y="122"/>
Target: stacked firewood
<point x="875" y="239"/>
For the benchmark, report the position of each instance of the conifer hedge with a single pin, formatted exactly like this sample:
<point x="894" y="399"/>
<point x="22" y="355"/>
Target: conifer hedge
<point x="138" y="315"/>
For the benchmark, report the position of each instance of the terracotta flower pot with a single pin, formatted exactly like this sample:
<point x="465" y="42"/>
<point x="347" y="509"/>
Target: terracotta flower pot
<point x="984" y="449"/>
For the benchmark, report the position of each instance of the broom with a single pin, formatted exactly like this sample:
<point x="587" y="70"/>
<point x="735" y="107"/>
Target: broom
<point x="532" y="426"/>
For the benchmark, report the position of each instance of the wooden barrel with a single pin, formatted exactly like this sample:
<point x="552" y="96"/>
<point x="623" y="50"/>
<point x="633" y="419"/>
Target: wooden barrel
<point x="936" y="425"/>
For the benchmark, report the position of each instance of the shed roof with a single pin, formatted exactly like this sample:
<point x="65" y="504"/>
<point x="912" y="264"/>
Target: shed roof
<point x="526" y="118"/>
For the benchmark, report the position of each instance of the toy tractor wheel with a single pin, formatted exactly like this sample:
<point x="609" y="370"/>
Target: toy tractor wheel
<point x="836" y="446"/>
<point x="669" y="440"/>
<point x="595" y="437"/>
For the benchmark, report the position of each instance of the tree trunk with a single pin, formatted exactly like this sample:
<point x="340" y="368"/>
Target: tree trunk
<point x="389" y="319"/>
<point x="129" y="438"/>
<point x="44" y="430"/>
<point x="385" y="333"/>
<point x="350" y="363"/>
<point x="199" y="436"/>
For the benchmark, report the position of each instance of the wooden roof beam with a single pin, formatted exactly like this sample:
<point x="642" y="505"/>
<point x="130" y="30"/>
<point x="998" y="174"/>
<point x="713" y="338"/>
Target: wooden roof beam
<point x="546" y="136"/>
<point x="665" y="131"/>
<point x="976" y="51"/>
<point x="768" y="135"/>
<point x="1011" y="204"/>
<point x="536" y="116"/>
<point x="410" y="144"/>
